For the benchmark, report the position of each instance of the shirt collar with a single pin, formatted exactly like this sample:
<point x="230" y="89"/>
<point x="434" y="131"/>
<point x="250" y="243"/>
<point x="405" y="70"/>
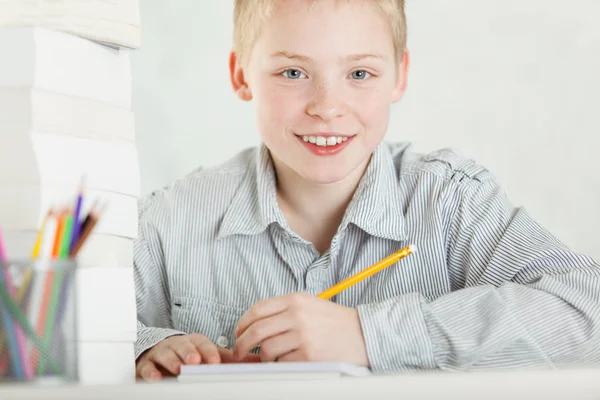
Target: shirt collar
<point x="376" y="206"/>
<point x="254" y="206"/>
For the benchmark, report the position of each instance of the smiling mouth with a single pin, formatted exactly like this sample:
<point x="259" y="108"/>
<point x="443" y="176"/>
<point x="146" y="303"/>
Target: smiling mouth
<point x="325" y="145"/>
<point x="324" y="141"/>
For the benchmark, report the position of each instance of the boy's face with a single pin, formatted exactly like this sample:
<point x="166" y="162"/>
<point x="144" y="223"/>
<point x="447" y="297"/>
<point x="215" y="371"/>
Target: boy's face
<point x="326" y="74"/>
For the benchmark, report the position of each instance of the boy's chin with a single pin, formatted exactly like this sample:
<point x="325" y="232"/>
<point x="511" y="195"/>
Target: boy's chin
<point x="321" y="176"/>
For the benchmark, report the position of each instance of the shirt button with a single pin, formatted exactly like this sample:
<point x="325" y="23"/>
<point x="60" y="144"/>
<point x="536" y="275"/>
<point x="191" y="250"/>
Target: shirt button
<point x="222" y="341"/>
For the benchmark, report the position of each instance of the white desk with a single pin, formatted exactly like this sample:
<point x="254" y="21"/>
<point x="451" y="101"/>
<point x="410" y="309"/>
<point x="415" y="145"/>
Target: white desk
<point x="571" y="384"/>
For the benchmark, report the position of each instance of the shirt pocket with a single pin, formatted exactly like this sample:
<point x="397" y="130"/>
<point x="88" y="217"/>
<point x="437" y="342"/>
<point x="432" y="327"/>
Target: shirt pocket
<point x="213" y="320"/>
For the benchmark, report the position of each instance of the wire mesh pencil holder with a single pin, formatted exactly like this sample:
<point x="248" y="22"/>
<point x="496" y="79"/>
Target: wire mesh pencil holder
<point x="38" y="321"/>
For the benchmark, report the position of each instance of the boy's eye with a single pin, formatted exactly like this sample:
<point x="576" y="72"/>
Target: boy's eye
<point x="360" y="74"/>
<point x="294" y="74"/>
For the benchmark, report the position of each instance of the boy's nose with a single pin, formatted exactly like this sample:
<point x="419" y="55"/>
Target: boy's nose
<point x="326" y="105"/>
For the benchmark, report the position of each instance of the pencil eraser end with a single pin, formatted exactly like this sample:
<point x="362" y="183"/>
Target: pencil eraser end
<point x="412" y="248"/>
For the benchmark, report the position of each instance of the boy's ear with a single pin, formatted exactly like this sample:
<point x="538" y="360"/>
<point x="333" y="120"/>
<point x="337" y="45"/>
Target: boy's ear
<point x="402" y="79"/>
<point x="238" y="81"/>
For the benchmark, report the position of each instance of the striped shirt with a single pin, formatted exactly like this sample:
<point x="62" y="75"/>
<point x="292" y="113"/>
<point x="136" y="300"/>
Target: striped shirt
<point x="488" y="287"/>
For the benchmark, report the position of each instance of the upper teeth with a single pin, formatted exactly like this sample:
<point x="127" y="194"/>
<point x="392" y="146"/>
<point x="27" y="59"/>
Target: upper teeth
<point x="325" y="141"/>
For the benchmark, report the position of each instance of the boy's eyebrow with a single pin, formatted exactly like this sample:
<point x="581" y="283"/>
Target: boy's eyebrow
<point x="286" y="54"/>
<point x="358" y="57"/>
<point x="299" y="57"/>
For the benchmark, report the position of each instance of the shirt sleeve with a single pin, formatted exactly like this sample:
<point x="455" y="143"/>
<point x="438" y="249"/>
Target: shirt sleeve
<point x="151" y="282"/>
<point x="519" y="298"/>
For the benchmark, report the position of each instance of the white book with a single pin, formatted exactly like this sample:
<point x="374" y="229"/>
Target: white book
<point x="269" y="371"/>
<point x="43" y="112"/>
<point x="57" y="62"/>
<point x="100" y="251"/>
<point x="43" y="159"/>
<point x="24" y="207"/>
<point x="114" y="22"/>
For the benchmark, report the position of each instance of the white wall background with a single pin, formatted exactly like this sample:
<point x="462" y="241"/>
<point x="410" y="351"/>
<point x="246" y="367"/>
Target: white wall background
<point x="515" y="84"/>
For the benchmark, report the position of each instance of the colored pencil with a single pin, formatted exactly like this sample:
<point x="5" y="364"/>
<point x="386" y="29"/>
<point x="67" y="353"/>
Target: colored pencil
<point x="36" y="301"/>
<point x="47" y="245"/>
<point x="59" y="234"/>
<point x="35" y="252"/>
<point x="22" y="367"/>
<point x="48" y="287"/>
<point x="4" y="364"/>
<point x="13" y="345"/>
<point x="91" y="221"/>
<point x="51" y="316"/>
<point x="28" y="276"/>
<point x="66" y="239"/>
<point x="58" y="287"/>
<point x="76" y="216"/>
<point x="14" y="310"/>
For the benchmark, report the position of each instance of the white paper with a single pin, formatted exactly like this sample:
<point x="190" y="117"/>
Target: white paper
<point x="102" y="251"/>
<point x="36" y="159"/>
<point x="270" y="370"/>
<point x="110" y="166"/>
<point x="24" y="110"/>
<point x="115" y="22"/>
<point x="61" y="63"/>
<point x="24" y="207"/>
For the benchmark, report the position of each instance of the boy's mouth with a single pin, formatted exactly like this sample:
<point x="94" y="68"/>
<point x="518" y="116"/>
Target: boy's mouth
<point x="325" y="145"/>
<point x="325" y="141"/>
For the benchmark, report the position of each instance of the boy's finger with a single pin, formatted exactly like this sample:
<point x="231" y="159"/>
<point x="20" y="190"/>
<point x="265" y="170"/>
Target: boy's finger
<point x="227" y="357"/>
<point x="148" y="372"/>
<point x="187" y="352"/>
<point x="260" y="331"/>
<point x="262" y="309"/>
<point x="274" y="348"/>
<point x="168" y="359"/>
<point x="208" y="351"/>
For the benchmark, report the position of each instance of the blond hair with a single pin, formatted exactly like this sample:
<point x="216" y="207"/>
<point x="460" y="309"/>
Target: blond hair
<point x="249" y="16"/>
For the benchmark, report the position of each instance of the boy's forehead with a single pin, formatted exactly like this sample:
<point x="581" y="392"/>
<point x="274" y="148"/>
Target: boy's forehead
<point x="325" y="12"/>
<point x="339" y="28"/>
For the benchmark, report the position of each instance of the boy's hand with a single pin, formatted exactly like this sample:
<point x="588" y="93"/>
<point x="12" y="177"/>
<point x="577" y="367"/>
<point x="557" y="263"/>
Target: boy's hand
<point x="167" y="356"/>
<point x="301" y="327"/>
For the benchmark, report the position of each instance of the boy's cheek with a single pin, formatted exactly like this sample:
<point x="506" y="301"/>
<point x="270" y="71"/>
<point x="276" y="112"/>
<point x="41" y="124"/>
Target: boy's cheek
<point x="280" y="109"/>
<point x="372" y="108"/>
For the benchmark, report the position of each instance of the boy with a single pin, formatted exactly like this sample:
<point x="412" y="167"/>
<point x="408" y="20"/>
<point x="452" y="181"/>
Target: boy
<point x="231" y="257"/>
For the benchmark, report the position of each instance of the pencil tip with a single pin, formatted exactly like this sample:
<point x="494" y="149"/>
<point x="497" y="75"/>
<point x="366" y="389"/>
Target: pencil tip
<point x="412" y="248"/>
<point x="103" y="207"/>
<point x="82" y="183"/>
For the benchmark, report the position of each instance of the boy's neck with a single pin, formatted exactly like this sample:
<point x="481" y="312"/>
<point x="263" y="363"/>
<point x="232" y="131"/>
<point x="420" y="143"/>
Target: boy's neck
<point x="315" y="210"/>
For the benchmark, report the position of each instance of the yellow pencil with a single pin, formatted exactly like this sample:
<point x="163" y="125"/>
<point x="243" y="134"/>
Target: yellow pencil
<point x="35" y="253"/>
<point x="353" y="280"/>
<point x="40" y="235"/>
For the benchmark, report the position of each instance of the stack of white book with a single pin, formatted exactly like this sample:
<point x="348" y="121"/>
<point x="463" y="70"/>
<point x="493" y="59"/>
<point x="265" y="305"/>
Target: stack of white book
<point x="65" y="112"/>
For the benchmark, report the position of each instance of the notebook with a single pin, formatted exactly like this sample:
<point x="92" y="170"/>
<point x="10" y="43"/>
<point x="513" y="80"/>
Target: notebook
<point x="269" y="371"/>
